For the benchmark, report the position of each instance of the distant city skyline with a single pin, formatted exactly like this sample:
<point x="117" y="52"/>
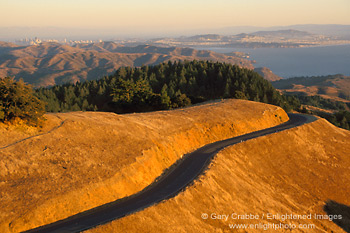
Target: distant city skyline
<point x="161" y="16"/>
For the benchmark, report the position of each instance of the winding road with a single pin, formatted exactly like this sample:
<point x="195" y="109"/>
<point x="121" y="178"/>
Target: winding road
<point x="169" y="184"/>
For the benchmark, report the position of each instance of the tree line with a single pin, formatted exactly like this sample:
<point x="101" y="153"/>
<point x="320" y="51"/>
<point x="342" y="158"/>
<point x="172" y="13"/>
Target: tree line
<point x="320" y="102"/>
<point x="341" y="118"/>
<point x="164" y="86"/>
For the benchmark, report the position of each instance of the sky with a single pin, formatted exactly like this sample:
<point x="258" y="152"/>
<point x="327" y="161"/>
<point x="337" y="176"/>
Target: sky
<point x="156" y="16"/>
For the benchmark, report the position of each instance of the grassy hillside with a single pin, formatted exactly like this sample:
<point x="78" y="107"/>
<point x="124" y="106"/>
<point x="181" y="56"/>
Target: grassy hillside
<point x="335" y="87"/>
<point x="291" y="172"/>
<point x="325" y="96"/>
<point x="80" y="160"/>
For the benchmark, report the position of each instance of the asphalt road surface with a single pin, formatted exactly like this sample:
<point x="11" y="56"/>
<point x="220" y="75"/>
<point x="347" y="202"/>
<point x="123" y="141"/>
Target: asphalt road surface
<point x="169" y="184"/>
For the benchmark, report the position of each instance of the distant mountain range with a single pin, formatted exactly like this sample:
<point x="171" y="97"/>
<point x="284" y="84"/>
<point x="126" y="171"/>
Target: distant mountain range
<point x="290" y="33"/>
<point x="337" y="30"/>
<point x="261" y="39"/>
<point x="48" y="64"/>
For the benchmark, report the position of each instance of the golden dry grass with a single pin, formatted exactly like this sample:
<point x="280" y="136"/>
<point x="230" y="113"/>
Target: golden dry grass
<point x="335" y="87"/>
<point x="90" y="158"/>
<point x="290" y="172"/>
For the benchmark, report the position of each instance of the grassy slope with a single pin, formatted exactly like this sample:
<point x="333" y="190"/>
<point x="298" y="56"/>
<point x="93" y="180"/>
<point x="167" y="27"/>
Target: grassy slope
<point x="291" y="172"/>
<point x="329" y="87"/>
<point x="95" y="158"/>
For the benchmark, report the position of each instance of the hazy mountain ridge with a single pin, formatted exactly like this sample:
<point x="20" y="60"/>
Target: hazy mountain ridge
<point x="285" y="33"/>
<point x="274" y="39"/>
<point x="119" y="48"/>
<point x="48" y="64"/>
<point x="337" y="30"/>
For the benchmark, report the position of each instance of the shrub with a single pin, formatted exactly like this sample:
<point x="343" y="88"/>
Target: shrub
<point x="17" y="101"/>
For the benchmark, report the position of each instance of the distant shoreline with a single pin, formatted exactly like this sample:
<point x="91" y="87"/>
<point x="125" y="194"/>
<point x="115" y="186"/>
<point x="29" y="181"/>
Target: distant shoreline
<point x="296" y="62"/>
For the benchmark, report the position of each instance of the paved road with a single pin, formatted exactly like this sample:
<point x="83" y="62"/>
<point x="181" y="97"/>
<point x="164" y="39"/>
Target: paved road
<point x="173" y="181"/>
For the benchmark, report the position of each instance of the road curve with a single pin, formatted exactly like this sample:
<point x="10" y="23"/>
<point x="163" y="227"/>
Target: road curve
<point x="169" y="184"/>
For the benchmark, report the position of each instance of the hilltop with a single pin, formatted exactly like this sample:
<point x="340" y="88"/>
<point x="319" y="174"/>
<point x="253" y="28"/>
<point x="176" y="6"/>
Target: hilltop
<point x="80" y="160"/>
<point x="47" y="64"/>
<point x="291" y="172"/>
<point x="84" y="159"/>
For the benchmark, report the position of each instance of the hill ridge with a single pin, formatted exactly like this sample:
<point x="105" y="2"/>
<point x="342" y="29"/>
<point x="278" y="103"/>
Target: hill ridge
<point x="51" y="63"/>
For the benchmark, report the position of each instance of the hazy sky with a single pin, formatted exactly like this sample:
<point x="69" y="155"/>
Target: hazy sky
<point x="157" y="15"/>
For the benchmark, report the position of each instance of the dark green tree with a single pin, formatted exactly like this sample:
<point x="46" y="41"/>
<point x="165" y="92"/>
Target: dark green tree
<point x="17" y="100"/>
<point x="165" y="99"/>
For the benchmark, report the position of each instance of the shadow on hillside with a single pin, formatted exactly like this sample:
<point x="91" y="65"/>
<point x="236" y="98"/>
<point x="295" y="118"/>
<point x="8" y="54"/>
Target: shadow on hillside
<point x="334" y="208"/>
